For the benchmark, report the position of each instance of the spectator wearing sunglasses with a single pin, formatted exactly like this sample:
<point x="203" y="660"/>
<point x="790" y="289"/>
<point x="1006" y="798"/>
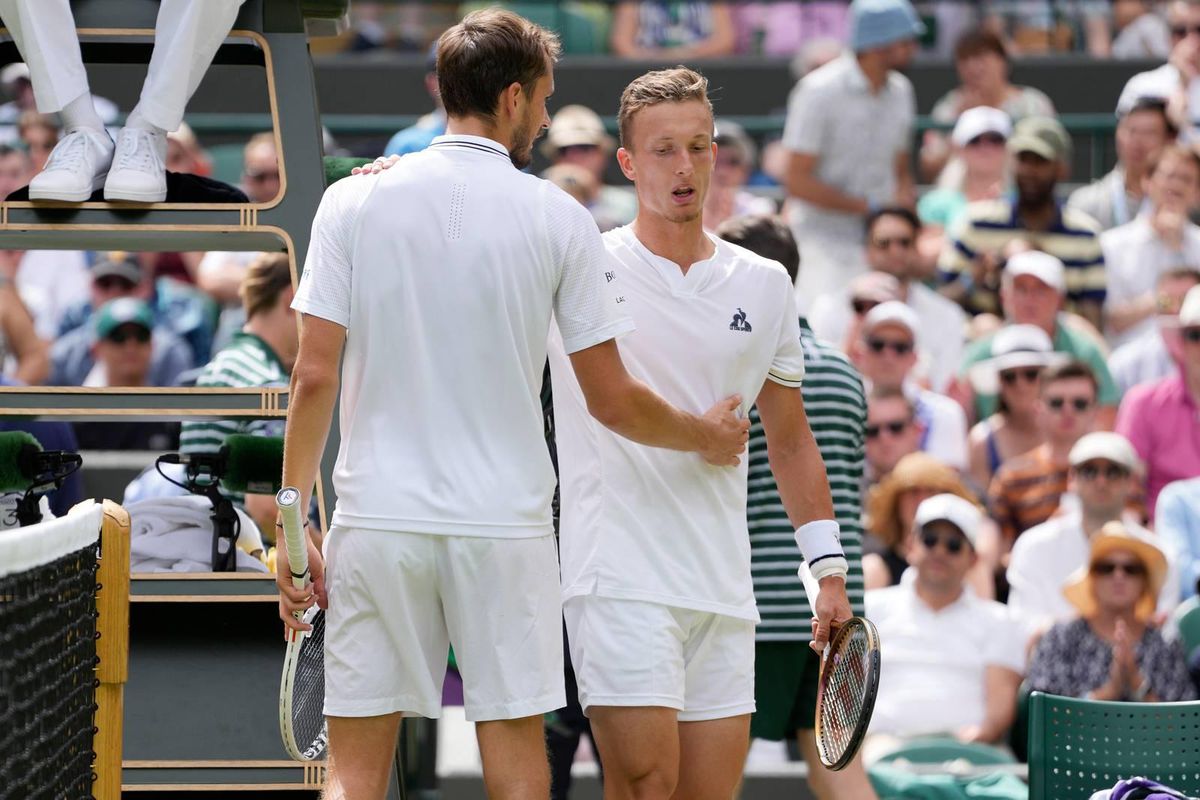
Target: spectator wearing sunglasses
<point x="1113" y="650"/>
<point x="886" y="354"/>
<point x="1104" y="484"/>
<point x="1026" y="491"/>
<point x="115" y="275"/>
<point x="891" y="248"/>
<point x="953" y="660"/>
<point x="1013" y="374"/>
<point x="1032" y="292"/>
<point x="1160" y="418"/>
<point x="893" y="431"/>
<point x="122" y="353"/>
<point x="1176" y="83"/>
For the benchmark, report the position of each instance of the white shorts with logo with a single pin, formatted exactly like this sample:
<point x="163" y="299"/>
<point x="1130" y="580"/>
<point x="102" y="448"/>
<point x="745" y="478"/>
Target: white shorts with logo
<point x="398" y="600"/>
<point x="636" y="653"/>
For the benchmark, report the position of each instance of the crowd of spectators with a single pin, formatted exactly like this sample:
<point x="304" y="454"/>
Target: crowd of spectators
<point x="1027" y="349"/>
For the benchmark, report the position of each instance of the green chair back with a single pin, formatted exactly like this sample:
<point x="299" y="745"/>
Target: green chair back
<point x="1078" y="747"/>
<point x="1187" y="619"/>
<point x="943" y="749"/>
<point x="227" y="162"/>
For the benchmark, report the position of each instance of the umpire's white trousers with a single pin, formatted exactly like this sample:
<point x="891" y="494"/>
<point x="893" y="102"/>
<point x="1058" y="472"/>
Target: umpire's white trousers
<point x="186" y="37"/>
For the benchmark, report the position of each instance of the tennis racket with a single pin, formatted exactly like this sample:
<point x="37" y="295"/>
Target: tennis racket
<point x="302" y="688"/>
<point x="846" y="692"/>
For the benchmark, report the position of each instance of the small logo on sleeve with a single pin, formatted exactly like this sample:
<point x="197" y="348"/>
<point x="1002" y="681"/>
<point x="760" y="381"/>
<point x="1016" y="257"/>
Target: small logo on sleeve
<point x="740" y="322"/>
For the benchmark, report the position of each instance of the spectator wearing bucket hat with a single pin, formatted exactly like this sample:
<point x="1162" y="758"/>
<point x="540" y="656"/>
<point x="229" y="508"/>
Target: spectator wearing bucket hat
<point x="1032" y="292"/>
<point x="954" y="660"/>
<point x="843" y="165"/>
<point x="577" y="138"/>
<point x="1103" y="485"/>
<point x="1112" y="650"/>
<point x="1041" y="152"/>
<point x="1161" y="418"/>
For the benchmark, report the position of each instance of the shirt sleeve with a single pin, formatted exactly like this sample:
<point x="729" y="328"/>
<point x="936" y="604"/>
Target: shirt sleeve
<point x="1130" y="424"/>
<point x="325" y="282"/>
<point x="1180" y="531"/>
<point x="803" y="127"/>
<point x="1006" y="645"/>
<point x="587" y="300"/>
<point x="958" y="252"/>
<point x="787" y="367"/>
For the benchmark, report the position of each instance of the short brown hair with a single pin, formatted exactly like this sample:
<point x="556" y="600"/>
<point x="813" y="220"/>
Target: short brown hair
<point x="675" y="85"/>
<point x="1070" y="370"/>
<point x="765" y="235"/>
<point x="487" y="52"/>
<point x="266" y="278"/>
<point x="1178" y="151"/>
<point x="979" y="42"/>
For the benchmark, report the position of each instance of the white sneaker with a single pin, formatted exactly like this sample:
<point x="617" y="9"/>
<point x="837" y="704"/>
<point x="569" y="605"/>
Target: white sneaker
<point x="139" y="171"/>
<point x="76" y="168"/>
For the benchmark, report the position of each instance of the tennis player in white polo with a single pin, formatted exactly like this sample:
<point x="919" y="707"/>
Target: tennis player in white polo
<point x="655" y="553"/>
<point x="439" y="278"/>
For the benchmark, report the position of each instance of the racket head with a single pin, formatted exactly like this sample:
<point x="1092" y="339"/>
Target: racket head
<point x="302" y="691"/>
<point x="846" y="692"/>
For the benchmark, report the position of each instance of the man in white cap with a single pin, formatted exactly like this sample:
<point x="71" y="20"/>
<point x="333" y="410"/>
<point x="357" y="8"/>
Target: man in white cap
<point x="1160" y="418"/>
<point x="1175" y="83"/>
<point x="848" y="133"/>
<point x="953" y="661"/>
<point x="1161" y="238"/>
<point x="187" y="35"/>
<point x="977" y="170"/>
<point x="1104" y="480"/>
<point x="1032" y="292"/>
<point x="891" y="248"/>
<point x="1115" y="199"/>
<point x="886" y="353"/>
<point x="577" y="137"/>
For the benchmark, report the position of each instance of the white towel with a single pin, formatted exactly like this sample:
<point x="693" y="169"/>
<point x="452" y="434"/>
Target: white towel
<point x="175" y="534"/>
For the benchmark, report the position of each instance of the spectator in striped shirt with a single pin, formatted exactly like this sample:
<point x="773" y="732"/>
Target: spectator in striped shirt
<point x="971" y="263"/>
<point x="785" y="669"/>
<point x="1026" y="490"/>
<point x="261" y="354"/>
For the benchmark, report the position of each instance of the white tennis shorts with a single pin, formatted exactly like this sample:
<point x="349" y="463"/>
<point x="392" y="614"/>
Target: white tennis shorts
<point x="636" y="653"/>
<point x="398" y="600"/>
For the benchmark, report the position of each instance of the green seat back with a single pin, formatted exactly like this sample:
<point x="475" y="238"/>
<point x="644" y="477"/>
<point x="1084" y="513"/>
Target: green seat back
<point x="227" y="162"/>
<point x="1078" y="747"/>
<point x="1187" y="619"/>
<point x="324" y="9"/>
<point x="940" y="750"/>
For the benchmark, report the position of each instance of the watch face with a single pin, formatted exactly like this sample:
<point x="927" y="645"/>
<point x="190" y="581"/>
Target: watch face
<point x="287" y="497"/>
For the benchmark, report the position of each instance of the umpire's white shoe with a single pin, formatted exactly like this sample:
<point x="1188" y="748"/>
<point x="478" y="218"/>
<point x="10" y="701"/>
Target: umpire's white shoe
<point x="76" y="168"/>
<point x="139" y="172"/>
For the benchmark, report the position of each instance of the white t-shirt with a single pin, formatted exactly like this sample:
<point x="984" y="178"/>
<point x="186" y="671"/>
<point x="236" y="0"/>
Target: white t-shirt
<point x="945" y="436"/>
<point x="1134" y="258"/>
<point x="658" y="525"/>
<point x="50" y="283"/>
<point x="931" y="677"/>
<point x="445" y="270"/>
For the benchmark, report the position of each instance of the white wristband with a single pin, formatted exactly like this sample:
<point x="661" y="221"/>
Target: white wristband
<point x="835" y="566"/>
<point x="819" y="539"/>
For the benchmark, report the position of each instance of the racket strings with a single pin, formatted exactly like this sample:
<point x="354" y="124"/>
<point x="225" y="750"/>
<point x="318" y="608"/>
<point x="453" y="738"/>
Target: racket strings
<point x="308" y="692"/>
<point x="845" y="693"/>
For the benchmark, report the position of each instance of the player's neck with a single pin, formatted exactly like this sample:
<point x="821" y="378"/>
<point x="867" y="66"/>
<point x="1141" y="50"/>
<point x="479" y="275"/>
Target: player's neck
<point x="474" y="126"/>
<point x="683" y="243"/>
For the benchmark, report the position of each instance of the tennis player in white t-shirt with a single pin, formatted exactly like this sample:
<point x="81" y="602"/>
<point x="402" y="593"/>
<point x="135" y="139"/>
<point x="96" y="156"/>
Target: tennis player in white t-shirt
<point x="438" y="278"/>
<point x="655" y="553"/>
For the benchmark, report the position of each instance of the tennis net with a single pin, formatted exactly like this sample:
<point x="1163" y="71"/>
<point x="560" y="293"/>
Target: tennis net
<point x="48" y="657"/>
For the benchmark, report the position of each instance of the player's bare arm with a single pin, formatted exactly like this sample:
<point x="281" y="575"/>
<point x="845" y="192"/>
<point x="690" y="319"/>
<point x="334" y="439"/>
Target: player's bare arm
<point x="804" y="489"/>
<point x="311" y="400"/>
<point x="632" y="409"/>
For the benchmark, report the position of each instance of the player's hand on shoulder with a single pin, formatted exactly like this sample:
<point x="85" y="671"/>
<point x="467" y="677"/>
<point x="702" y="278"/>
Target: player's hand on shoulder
<point x="377" y="166"/>
<point x="726" y="433"/>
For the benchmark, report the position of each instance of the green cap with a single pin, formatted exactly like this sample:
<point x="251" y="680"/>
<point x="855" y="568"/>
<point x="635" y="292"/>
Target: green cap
<point x="1043" y="136"/>
<point x="122" y="311"/>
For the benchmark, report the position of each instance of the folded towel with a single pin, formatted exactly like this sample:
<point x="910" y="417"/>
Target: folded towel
<point x="175" y="534"/>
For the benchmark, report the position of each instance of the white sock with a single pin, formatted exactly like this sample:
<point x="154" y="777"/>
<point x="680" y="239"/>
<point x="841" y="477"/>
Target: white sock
<point x="81" y="113"/>
<point x="137" y="120"/>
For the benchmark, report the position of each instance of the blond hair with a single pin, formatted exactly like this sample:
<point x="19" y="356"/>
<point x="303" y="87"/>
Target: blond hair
<point x="674" y="85"/>
<point x="266" y="278"/>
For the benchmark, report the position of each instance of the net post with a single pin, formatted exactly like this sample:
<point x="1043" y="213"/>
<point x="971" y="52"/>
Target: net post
<point x="112" y="602"/>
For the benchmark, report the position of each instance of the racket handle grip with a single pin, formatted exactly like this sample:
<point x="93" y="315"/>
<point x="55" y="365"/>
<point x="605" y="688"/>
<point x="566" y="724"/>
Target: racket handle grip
<point x="288" y="502"/>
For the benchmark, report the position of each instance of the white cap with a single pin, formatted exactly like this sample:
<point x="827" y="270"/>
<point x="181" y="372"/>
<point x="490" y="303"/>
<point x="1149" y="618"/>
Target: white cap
<point x="893" y="312"/>
<point x="1189" y="312"/>
<point x="1106" y="445"/>
<point x="958" y="511"/>
<point x="1043" y="266"/>
<point x="1013" y="346"/>
<point x="14" y="72"/>
<point x="978" y="121"/>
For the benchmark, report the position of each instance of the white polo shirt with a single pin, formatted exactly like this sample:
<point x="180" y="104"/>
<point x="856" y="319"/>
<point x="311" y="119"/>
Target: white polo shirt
<point x="445" y="270"/>
<point x="659" y="525"/>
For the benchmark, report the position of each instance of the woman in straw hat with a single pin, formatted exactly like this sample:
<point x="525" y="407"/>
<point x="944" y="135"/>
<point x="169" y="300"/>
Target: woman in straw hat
<point x="891" y="508"/>
<point x="1113" y="650"/>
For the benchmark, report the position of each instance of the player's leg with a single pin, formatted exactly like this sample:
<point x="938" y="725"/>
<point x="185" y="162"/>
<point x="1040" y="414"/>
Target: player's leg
<point x="503" y="608"/>
<point x="714" y="727"/>
<point x="385" y="650"/>
<point x="628" y="657"/>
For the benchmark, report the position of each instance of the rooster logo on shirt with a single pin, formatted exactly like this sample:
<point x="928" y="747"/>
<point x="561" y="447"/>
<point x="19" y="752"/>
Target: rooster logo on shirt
<point x="739" y="322"/>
